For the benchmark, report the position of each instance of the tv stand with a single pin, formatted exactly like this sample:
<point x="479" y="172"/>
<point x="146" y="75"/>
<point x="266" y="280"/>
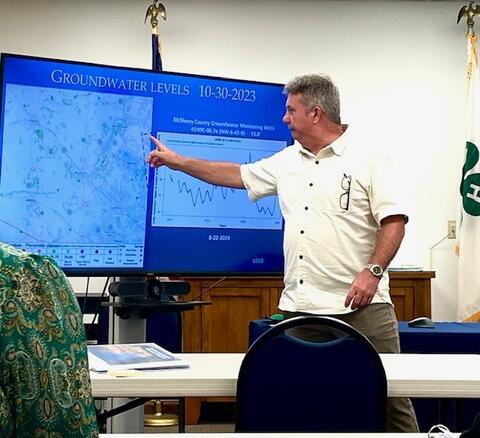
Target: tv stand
<point x="133" y="300"/>
<point x="141" y="309"/>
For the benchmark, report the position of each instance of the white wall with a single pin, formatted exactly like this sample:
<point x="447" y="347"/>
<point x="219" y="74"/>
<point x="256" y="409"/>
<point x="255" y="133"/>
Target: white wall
<point x="400" y="67"/>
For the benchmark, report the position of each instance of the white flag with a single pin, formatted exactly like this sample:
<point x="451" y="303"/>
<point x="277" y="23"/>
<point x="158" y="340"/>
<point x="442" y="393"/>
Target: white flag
<point x="469" y="233"/>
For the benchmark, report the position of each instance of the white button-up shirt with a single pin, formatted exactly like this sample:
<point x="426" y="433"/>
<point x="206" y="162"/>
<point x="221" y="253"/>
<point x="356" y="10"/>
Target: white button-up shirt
<point x="332" y="204"/>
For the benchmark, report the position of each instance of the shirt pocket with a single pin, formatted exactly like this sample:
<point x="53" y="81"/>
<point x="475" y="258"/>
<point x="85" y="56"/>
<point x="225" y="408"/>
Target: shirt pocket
<point x="290" y="193"/>
<point x="335" y="194"/>
<point x="342" y="201"/>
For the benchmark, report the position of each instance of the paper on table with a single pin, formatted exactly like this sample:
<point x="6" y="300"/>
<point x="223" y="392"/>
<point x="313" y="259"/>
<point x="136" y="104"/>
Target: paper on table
<point x="132" y="356"/>
<point x="405" y="267"/>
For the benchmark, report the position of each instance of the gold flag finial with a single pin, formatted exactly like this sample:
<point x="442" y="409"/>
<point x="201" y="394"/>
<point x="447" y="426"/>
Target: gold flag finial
<point x="153" y="11"/>
<point x="469" y="11"/>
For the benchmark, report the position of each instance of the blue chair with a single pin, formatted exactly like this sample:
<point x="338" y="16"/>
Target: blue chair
<point x="287" y="384"/>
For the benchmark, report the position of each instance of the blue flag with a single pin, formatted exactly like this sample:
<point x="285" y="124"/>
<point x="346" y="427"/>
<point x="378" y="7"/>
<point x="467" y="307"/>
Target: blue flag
<point x="156" y="52"/>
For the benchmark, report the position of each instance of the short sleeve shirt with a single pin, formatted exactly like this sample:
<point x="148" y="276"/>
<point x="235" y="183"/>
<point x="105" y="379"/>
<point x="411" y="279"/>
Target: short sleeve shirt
<point x="332" y="204"/>
<point x="45" y="388"/>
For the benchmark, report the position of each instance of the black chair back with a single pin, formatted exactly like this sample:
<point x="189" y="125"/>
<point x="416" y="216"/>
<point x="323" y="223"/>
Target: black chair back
<point x="287" y="384"/>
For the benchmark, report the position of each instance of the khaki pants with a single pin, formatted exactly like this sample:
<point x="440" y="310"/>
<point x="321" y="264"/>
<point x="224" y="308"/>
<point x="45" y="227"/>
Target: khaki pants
<point x="379" y="324"/>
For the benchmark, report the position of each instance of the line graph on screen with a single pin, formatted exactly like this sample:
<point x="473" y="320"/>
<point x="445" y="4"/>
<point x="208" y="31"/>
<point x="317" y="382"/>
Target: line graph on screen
<point x="183" y="201"/>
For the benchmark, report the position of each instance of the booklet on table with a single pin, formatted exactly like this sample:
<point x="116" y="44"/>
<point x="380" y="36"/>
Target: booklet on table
<point x="132" y="356"/>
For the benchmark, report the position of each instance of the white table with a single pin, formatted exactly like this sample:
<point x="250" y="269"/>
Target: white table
<point x="215" y="374"/>
<point x="266" y="435"/>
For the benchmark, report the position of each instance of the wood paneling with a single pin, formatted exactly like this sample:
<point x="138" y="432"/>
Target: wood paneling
<point x="411" y="294"/>
<point x="223" y="326"/>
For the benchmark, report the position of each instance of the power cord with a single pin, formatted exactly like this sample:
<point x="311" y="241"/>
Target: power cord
<point x="85" y="296"/>
<point x="430" y="250"/>
<point x="439" y="431"/>
<point x="440" y="241"/>
<point x="210" y="288"/>
<point x="97" y="308"/>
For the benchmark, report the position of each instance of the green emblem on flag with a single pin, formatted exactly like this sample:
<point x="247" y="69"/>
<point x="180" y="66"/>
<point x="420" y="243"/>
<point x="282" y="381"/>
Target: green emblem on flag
<point x="470" y="185"/>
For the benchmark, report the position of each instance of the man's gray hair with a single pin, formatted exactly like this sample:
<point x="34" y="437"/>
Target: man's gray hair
<point x="317" y="90"/>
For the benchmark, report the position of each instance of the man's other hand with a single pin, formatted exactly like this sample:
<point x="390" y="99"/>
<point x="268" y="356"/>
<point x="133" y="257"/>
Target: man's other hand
<point x="362" y="290"/>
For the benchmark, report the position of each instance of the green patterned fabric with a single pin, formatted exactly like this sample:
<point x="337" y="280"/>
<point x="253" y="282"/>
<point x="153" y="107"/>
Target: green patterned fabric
<point x="45" y="389"/>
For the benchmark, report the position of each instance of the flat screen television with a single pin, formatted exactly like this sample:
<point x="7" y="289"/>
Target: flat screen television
<point x="74" y="183"/>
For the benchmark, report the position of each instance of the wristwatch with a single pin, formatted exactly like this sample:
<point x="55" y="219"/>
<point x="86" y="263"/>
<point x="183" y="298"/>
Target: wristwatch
<point x="376" y="270"/>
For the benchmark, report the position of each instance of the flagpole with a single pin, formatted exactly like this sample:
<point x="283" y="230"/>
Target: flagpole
<point x="153" y="11"/>
<point x="159" y="418"/>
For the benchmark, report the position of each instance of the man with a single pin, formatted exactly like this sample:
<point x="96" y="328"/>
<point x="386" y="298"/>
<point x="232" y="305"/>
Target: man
<point x="45" y="388"/>
<point x="343" y="219"/>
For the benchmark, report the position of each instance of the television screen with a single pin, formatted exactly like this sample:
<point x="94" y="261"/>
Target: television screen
<point x="74" y="183"/>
